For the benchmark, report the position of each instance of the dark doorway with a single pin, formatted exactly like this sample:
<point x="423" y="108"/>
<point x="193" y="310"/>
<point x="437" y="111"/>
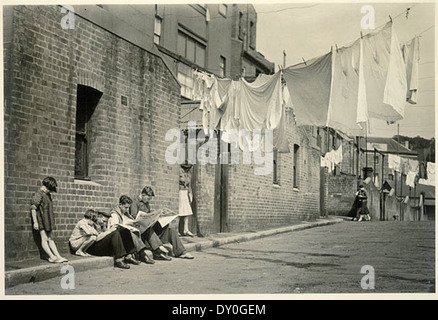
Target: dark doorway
<point x="87" y="100"/>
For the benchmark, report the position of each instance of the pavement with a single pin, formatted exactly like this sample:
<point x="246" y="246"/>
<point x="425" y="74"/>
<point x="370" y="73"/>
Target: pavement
<point x="35" y="270"/>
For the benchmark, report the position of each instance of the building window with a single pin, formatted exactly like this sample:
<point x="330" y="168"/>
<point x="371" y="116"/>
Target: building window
<point x="191" y="49"/>
<point x="157" y="29"/>
<point x="223" y="9"/>
<point x="317" y="135"/>
<point x="376" y="160"/>
<point x="86" y="102"/>
<point x="296" y="161"/>
<point x="240" y="25"/>
<point x="222" y="67"/>
<point x="252" y="35"/>
<point x="275" y="167"/>
<point x="185" y="78"/>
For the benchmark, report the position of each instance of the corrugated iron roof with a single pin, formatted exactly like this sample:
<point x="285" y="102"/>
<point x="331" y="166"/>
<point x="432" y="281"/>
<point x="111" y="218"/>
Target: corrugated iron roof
<point x="392" y="146"/>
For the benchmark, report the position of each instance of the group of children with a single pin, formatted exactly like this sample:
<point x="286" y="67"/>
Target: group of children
<point x="87" y="232"/>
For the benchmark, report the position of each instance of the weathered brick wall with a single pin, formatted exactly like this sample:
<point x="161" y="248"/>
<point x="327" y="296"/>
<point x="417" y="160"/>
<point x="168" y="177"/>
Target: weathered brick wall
<point x="127" y="145"/>
<point x="205" y="199"/>
<point x="341" y="193"/>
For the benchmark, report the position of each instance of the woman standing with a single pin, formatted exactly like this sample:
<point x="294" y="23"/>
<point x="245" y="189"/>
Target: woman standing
<point x="185" y="198"/>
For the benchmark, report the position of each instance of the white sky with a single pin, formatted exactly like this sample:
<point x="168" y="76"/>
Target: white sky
<point x="307" y="30"/>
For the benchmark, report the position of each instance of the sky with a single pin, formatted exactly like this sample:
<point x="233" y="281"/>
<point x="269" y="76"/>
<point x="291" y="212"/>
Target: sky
<point x="308" y="30"/>
<point x="305" y="29"/>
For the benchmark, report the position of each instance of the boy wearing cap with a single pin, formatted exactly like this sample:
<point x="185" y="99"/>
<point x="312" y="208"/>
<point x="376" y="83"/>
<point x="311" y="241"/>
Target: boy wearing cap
<point x="166" y="235"/>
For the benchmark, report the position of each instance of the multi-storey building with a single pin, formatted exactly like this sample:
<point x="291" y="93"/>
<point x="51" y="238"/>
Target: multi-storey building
<point x="90" y="93"/>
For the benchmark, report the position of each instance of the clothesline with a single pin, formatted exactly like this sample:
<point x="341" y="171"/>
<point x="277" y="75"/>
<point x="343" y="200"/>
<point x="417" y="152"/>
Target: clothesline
<point x="334" y="90"/>
<point x="369" y="34"/>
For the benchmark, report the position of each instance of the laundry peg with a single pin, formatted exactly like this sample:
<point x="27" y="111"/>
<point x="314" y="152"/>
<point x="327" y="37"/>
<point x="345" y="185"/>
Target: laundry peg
<point x="390" y="18"/>
<point x="304" y="61"/>
<point x="361" y="35"/>
<point x="337" y="50"/>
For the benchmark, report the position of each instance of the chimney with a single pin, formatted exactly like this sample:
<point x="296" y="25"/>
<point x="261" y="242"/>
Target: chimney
<point x="407" y="144"/>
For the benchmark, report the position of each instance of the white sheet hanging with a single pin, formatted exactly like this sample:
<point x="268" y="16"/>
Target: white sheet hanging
<point x="411" y="55"/>
<point x="348" y="105"/>
<point x="385" y="74"/>
<point x="309" y="88"/>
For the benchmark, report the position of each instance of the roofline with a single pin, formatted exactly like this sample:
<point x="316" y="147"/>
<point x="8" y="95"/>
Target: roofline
<point x="157" y="53"/>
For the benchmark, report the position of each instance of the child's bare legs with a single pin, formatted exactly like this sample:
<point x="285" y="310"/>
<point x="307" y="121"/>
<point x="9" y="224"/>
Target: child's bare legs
<point x="53" y="248"/>
<point x="82" y="251"/>
<point x="46" y="247"/>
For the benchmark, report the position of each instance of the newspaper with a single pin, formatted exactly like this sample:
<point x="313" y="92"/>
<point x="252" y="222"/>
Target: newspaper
<point x="144" y="220"/>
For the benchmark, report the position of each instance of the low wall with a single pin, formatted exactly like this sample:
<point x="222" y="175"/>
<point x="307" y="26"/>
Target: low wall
<point x="395" y="209"/>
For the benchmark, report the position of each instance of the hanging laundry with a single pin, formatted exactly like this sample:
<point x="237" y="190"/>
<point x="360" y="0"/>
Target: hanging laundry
<point x="413" y="170"/>
<point x="385" y="74"/>
<point x="431" y="173"/>
<point x="411" y="55"/>
<point x="394" y="162"/>
<point x="261" y="103"/>
<point x="332" y="158"/>
<point x="281" y="141"/>
<point x="309" y="87"/>
<point x="205" y="88"/>
<point x="410" y="178"/>
<point x="404" y="165"/>
<point x="413" y="165"/>
<point x="348" y="105"/>
<point x="229" y="124"/>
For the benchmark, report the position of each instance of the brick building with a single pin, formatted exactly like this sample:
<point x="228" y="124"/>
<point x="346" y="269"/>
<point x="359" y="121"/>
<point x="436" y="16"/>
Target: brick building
<point x="90" y="96"/>
<point x="230" y="197"/>
<point x="89" y="106"/>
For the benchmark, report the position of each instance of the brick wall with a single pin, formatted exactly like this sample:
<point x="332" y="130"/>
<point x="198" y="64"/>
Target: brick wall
<point x="254" y="202"/>
<point x="341" y="193"/>
<point x="127" y="144"/>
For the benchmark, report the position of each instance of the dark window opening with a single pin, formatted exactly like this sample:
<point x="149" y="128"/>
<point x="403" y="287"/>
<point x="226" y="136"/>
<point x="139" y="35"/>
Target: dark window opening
<point x="240" y="25"/>
<point x="87" y="100"/>
<point x="252" y="35"/>
<point x="275" y="167"/>
<point x="296" y="156"/>
<point x="222" y="67"/>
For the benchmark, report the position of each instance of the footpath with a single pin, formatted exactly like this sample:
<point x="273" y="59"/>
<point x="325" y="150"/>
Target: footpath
<point x="35" y="270"/>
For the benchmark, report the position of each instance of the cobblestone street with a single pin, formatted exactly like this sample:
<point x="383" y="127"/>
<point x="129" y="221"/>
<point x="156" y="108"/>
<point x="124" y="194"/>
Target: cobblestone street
<point x="325" y="259"/>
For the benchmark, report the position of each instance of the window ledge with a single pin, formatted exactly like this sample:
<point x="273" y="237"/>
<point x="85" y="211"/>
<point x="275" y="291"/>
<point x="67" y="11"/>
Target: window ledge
<point x="276" y="185"/>
<point x="86" y="182"/>
<point x="296" y="189"/>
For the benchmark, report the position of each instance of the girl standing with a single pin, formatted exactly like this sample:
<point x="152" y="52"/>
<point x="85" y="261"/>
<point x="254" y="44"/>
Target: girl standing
<point x="185" y="197"/>
<point x="44" y="220"/>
